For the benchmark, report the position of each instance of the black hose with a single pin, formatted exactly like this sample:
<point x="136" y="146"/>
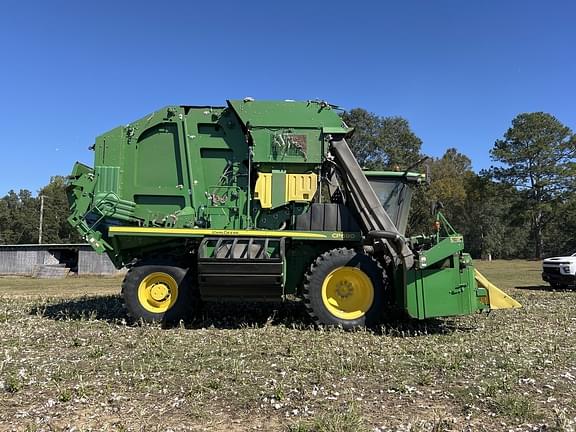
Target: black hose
<point x="388" y="235"/>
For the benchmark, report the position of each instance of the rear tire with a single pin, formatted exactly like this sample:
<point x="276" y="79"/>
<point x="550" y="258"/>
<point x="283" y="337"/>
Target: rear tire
<point x="158" y="292"/>
<point x="345" y="288"/>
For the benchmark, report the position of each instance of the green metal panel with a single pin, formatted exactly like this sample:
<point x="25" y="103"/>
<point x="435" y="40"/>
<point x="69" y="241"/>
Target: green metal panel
<point x="288" y="114"/>
<point x="157" y="163"/>
<point x="108" y="179"/>
<point x="338" y="130"/>
<point x="413" y="294"/>
<point x="298" y="259"/>
<point x="445" y="285"/>
<point x="407" y="176"/>
<point x="278" y="188"/>
<point x="440" y="293"/>
<point x="289" y="132"/>
<point x="445" y="248"/>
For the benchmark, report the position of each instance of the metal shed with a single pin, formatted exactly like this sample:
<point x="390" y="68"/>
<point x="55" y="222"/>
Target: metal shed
<point x="53" y="260"/>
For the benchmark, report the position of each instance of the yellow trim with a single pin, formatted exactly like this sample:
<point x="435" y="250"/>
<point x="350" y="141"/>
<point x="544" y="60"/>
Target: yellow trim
<point x="202" y="232"/>
<point x="263" y="190"/>
<point x="157" y="292"/>
<point x="498" y="299"/>
<point x="301" y="187"/>
<point x="347" y="293"/>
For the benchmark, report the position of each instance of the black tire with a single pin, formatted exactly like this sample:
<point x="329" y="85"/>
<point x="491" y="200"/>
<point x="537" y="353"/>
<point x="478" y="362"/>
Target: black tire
<point x="331" y="272"/>
<point x="180" y="299"/>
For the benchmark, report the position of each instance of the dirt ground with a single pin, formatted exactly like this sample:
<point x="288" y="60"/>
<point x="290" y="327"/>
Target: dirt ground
<point x="69" y="362"/>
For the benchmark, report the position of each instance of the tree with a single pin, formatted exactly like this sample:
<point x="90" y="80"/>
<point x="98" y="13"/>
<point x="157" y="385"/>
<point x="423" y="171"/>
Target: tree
<point x="56" y="228"/>
<point x="493" y="225"/>
<point x="559" y="238"/>
<point x="19" y="218"/>
<point x="538" y="157"/>
<point x="448" y="176"/>
<point x="5" y="232"/>
<point x="382" y="142"/>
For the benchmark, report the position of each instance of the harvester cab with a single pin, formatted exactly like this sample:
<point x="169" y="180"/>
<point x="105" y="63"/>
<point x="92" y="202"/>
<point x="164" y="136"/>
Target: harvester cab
<point x="260" y="200"/>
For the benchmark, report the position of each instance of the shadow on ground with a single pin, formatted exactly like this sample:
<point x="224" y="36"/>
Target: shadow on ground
<point x="103" y="308"/>
<point x="544" y="288"/>
<point x="234" y="315"/>
<point x="292" y="314"/>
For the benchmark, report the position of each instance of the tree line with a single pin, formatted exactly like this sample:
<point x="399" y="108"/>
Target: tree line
<point x="523" y="207"/>
<point x="20" y="216"/>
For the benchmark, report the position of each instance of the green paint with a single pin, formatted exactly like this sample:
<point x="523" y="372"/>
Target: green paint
<point x="181" y="174"/>
<point x="278" y="188"/>
<point x="443" y="283"/>
<point x="185" y="166"/>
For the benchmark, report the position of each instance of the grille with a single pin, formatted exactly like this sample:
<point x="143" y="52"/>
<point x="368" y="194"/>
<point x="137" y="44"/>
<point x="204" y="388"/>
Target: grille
<point x="552" y="270"/>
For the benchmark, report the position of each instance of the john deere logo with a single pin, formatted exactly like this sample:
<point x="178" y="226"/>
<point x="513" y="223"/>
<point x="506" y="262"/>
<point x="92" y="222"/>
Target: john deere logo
<point x="343" y="236"/>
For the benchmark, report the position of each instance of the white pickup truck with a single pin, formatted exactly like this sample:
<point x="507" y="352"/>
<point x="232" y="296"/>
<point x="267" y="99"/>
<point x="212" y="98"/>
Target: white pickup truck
<point x="560" y="272"/>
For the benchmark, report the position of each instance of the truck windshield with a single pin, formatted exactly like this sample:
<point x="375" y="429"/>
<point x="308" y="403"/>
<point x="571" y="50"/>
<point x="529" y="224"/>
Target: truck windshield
<point x="395" y="196"/>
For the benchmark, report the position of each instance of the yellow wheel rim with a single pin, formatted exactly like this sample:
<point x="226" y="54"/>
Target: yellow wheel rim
<point x="347" y="293"/>
<point x="158" y="292"/>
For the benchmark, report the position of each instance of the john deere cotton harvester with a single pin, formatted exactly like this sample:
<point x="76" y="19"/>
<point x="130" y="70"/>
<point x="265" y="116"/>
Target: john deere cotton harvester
<point x="261" y="200"/>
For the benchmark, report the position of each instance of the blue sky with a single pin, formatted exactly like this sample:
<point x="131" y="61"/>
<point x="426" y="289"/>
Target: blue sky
<point x="459" y="71"/>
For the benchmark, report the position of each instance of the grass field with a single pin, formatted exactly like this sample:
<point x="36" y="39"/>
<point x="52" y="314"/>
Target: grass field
<point x="69" y="362"/>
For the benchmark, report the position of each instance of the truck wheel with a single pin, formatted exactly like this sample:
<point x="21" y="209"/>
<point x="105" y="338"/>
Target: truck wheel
<point x="159" y="293"/>
<point x="344" y="288"/>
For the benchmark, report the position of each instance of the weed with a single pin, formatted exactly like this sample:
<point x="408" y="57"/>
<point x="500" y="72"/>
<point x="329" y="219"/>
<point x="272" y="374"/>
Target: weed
<point x="279" y="392"/>
<point x="347" y="420"/>
<point x="65" y="395"/>
<point x="12" y="383"/>
<point x="213" y="384"/>
<point x="424" y="377"/>
<point x="97" y="352"/>
<point x="515" y="406"/>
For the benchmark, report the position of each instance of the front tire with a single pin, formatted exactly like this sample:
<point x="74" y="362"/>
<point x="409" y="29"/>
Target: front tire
<point x="345" y="288"/>
<point x="158" y="293"/>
